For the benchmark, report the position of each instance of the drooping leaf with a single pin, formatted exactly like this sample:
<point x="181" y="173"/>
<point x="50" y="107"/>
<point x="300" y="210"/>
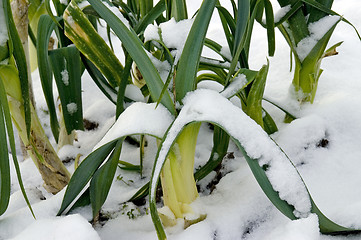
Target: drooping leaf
<point x="45" y="28"/>
<point x="140" y="113"/>
<point x="322" y="8"/>
<point x="262" y="154"/>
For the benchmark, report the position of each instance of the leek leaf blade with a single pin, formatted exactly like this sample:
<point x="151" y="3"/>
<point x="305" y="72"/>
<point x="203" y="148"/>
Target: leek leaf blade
<point x="45" y="28"/>
<point x="185" y="80"/>
<point x="66" y="65"/>
<point x="103" y="178"/>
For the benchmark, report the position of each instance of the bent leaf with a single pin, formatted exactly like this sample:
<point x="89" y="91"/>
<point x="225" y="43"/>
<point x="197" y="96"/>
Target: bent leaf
<point x="45" y="28"/>
<point x="268" y="163"/>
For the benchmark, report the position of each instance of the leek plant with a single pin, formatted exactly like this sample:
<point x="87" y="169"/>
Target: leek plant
<point x="6" y="128"/>
<point x="307" y="27"/>
<point x="14" y="73"/>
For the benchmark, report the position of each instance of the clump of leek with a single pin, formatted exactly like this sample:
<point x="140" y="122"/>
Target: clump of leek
<point x="12" y="69"/>
<point x="297" y="31"/>
<point x="52" y="170"/>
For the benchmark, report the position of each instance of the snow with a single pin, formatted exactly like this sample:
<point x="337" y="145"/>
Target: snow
<point x="281" y="13"/>
<point x="3" y="29"/>
<point x="64" y="2"/>
<point x="237" y="208"/>
<point x="134" y="93"/>
<point x="140" y="118"/>
<point x="235" y="86"/>
<point x="317" y="31"/>
<point x="69" y="227"/>
<point x="71" y="108"/>
<point x="172" y="39"/>
<point x="65" y="77"/>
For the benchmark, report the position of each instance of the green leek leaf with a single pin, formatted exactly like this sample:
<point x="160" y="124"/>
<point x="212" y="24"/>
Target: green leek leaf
<point x="4" y="161"/>
<point x="66" y="65"/>
<point x="153" y="14"/>
<point x="179" y="10"/>
<point x="16" y="48"/>
<point x="185" y="80"/>
<point x="4" y="179"/>
<point x="82" y="33"/>
<point x="45" y="28"/>
<point x="103" y="178"/>
<point x="255" y="95"/>
<point x="330" y="12"/>
<point x="84" y="172"/>
<point x="270" y="27"/>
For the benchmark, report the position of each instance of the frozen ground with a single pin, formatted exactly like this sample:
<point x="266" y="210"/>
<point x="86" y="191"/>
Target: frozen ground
<point x="237" y="208"/>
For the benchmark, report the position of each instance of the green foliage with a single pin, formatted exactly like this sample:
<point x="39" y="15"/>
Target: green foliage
<point x="66" y="65"/>
<point x="188" y="63"/>
<point x="45" y="28"/>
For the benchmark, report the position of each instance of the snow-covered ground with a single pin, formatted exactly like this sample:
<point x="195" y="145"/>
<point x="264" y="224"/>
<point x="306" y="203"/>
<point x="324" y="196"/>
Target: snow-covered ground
<point x="237" y="208"/>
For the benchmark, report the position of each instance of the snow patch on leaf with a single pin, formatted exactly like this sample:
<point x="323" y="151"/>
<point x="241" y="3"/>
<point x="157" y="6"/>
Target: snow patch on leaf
<point x="72" y="108"/>
<point x="317" y="31"/>
<point x="139" y="118"/>
<point x="174" y="40"/>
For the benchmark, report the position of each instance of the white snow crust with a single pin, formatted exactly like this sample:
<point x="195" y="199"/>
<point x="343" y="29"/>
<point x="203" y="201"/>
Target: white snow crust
<point x="140" y="118"/>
